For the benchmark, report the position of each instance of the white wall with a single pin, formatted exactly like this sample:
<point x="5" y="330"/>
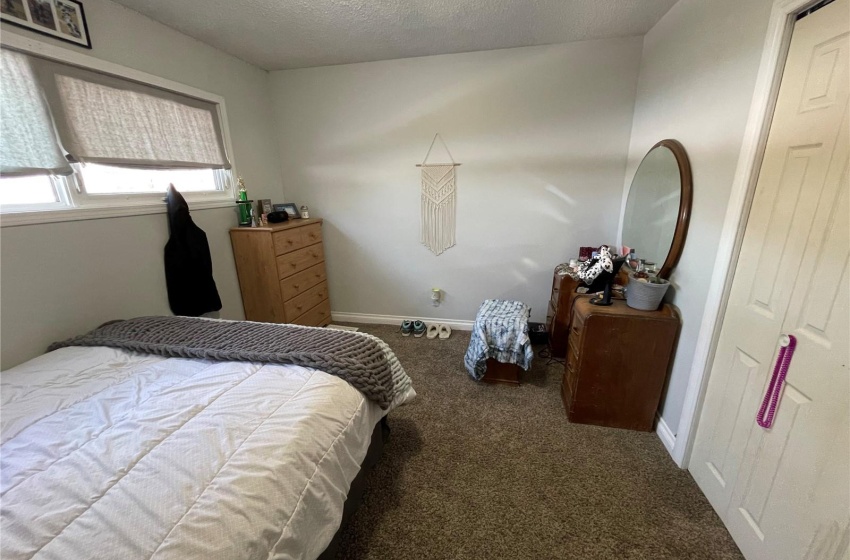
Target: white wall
<point x="697" y="76"/>
<point x="62" y="279"/>
<point x="542" y="134"/>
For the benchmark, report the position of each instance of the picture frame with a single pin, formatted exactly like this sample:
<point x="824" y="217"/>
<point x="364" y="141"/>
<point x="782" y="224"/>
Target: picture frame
<point x="290" y="208"/>
<point x="60" y="19"/>
<point x="265" y="203"/>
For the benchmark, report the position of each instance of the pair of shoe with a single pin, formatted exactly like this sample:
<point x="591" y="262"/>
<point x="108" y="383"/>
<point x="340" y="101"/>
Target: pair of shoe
<point x="441" y="330"/>
<point x="417" y="328"/>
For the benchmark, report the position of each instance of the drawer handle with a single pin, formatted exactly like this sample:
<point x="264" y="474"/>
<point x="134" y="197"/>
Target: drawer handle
<point x="312" y="235"/>
<point x="293" y="265"/>
<point x="295" y="286"/>
<point x="289" y="241"/>
<point x="298" y="307"/>
<point x="315" y="255"/>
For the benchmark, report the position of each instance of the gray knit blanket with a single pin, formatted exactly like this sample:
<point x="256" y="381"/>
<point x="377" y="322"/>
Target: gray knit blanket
<point x="362" y="360"/>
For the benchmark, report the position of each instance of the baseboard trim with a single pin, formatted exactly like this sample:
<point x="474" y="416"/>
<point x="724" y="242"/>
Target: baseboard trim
<point x="370" y="319"/>
<point x="665" y="435"/>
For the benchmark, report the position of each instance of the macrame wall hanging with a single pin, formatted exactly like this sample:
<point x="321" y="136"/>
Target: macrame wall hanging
<point x="439" y="201"/>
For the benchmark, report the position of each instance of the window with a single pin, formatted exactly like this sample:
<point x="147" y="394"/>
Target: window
<point x="27" y="190"/>
<point x="107" y="179"/>
<point x="83" y="134"/>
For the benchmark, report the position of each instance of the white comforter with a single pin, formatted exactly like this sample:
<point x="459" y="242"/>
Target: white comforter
<point x="109" y="454"/>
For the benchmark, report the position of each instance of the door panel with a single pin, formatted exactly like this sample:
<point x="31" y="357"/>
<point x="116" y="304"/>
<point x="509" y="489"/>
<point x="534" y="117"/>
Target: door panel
<point x="780" y="245"/>
<point x="813" y="306"/>
<point x="741" y="382"/>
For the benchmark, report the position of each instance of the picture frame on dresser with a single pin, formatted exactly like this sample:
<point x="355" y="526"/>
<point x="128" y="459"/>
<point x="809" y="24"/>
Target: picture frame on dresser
<point x="290" y="208"/>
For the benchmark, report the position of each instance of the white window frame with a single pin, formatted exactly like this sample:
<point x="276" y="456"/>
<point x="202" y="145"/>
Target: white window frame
<point x="75" y="205"/>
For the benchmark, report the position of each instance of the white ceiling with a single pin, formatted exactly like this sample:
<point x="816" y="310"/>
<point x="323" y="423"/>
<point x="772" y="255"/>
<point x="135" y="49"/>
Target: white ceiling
<point x="278" y="34"/>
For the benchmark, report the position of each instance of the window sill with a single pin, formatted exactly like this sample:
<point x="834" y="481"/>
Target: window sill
<point x="47" y="216"/>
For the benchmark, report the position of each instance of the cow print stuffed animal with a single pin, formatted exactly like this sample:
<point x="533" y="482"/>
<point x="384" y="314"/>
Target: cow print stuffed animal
<point x="595" y="266"/>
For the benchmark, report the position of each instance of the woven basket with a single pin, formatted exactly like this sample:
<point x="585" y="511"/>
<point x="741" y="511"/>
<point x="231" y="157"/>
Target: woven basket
<point x="646" y="296"/>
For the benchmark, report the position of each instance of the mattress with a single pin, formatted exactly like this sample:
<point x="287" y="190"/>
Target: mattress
<point x="110" y="454"/>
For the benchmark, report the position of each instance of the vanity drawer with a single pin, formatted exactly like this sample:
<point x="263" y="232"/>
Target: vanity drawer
<point x="573" y="342"/>
<point x="550" y="319"/>
<point x="553" y="303"/>
<point x="300" y="260"/>
<point x="576" y="323"/>
<point x="571" y="371"/>
<point x="299" y="305"/>
<point x="556" y="284"/>
<point x="302" y="281"/>
<point x="293" y="239"/>
<point x="574" y="339"/>
<point x="318" y="316"/>
<point x="567" y="395"/>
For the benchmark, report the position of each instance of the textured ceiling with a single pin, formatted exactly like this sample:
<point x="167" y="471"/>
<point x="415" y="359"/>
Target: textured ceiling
<point x="277" y="34"/>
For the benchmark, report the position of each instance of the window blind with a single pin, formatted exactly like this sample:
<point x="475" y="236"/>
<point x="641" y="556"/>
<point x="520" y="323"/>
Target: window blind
<point x="115" y="121"/>
<point x="28" y="143"/>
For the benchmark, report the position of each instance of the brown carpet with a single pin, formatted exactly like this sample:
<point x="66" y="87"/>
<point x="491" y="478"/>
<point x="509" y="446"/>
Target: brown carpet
<point x="473" y="470"/>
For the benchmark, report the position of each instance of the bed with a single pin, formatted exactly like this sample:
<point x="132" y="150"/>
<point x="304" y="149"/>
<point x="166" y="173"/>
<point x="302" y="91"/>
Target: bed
<point x="108" y="453"/>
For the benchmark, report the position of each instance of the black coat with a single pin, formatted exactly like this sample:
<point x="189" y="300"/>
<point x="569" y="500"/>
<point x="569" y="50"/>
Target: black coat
<point x="188" y="264"/>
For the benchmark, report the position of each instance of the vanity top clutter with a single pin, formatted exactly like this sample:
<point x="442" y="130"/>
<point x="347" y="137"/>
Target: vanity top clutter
<point x="636" y="264"/>
<point x="599" y="271"/>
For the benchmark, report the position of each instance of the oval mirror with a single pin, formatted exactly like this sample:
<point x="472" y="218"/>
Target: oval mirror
<point x="658" y="206"/>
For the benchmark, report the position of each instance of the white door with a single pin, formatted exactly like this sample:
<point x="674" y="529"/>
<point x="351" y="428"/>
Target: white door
<point x="784" y="492"/>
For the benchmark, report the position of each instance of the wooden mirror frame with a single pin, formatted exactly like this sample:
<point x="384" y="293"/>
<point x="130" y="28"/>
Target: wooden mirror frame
<point x="687" y="193"/>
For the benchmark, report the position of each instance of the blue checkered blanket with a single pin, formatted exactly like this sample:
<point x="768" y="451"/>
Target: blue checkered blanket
<point x="500" y="332"/>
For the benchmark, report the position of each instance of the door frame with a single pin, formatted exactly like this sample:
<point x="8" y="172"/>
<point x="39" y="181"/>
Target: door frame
<point x="778" y="39"/>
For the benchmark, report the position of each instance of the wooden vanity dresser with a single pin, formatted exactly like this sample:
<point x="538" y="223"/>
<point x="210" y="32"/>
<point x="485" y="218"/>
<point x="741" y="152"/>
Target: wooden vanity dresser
<point x="617" y="361"/>
<point x="282" y="274"/>
<point x="618" y="357"/>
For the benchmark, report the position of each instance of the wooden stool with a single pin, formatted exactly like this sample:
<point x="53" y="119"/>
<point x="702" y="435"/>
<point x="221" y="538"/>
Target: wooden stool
<point x="497" y="372"/>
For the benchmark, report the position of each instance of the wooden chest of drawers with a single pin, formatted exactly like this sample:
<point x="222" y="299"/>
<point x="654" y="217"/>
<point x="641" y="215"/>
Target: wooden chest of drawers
<point x="617" y="362"/>
<point x="282" y="274"/>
